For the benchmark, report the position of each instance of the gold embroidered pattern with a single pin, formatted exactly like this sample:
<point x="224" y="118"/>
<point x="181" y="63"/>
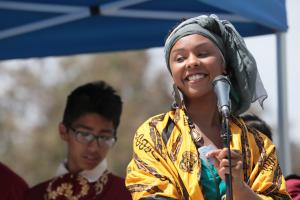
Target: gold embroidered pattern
<point x="176" y="147"/>
<point x="195" y="132"/>
<point x="144" y="145"/>
<point x="157" y="119"/>
<point x="188" y="162"/>
<point x="140" y="187"/>
<point x="270" y="162"/>
<point x="157" y="141"/>
<point x="101" y="182"/>
<point x="246" y="153"/>
<point x="155" y="136"/>
<point x="141" y="143"/>
<point x="273" y="190"/>
<point x="59" y="188"/>
<point x="144" y="166"/>
<point x="177" y="116"/>
<point x="66" y="189"/>
<point x="263" y="154"/>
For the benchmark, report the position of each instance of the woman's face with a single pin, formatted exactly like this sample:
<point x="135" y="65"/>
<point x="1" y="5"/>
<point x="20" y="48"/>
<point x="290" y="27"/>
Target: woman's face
<point x="195" y="61"/>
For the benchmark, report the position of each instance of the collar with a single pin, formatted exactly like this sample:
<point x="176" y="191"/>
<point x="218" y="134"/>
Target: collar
<point x="91" y="175"/>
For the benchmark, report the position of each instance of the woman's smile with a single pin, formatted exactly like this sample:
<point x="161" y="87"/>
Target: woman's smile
<point x="196" y="77"/>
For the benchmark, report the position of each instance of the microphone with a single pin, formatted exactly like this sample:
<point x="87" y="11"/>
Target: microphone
<point x="221" y="85"/>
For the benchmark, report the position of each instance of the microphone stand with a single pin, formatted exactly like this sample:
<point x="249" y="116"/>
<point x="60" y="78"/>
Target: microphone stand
<point x="226" y="136"/>
<point x="221" y="85"/>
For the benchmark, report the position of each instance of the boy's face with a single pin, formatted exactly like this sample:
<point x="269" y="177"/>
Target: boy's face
<point x="86" y="155"/>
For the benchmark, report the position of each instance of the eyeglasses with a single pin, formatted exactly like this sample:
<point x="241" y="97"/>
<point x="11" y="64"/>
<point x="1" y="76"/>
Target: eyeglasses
<point x="86" y="138"/>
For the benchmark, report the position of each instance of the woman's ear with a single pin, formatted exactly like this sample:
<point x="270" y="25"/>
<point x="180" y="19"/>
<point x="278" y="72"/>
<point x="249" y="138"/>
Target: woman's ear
<point x="225" y="69"/>
<point x="63" y="131"/>
<point x="224" y="72"/>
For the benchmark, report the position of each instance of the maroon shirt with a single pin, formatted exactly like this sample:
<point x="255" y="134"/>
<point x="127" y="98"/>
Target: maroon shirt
<point x="107" y="187"/>
<point x="12" y="186"/>
<point x="293" y="187"/>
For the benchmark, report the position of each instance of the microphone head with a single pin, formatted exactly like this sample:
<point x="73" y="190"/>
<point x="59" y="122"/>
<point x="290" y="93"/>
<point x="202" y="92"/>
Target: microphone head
<point x="221" y="85"/>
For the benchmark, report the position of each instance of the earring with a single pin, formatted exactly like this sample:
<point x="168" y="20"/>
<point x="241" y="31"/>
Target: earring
<point x="177" y="96"/>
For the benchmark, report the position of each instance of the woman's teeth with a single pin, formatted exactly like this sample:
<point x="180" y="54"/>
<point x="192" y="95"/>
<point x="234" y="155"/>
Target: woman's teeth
<point x="195" y="77"/>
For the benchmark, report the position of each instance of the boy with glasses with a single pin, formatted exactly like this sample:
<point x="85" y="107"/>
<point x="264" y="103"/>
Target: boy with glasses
<point x="89" y="125"/>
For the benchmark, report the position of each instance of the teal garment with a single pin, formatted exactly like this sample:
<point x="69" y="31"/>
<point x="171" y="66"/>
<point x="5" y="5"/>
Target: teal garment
<point x="210" y="181"/>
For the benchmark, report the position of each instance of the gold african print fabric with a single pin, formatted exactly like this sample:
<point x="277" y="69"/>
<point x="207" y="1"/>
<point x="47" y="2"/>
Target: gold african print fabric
<point x="165" y="160"/>
<point x="75" y="187"/>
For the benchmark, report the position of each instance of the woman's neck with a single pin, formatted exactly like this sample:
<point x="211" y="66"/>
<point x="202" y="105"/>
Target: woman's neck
<point x="203" y="111"/>
<point x="204" y="114"/>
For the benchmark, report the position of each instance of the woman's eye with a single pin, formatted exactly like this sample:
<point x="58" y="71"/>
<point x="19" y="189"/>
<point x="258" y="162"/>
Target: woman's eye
<point x="202" y="54"/>
<point x="180" y="59"/>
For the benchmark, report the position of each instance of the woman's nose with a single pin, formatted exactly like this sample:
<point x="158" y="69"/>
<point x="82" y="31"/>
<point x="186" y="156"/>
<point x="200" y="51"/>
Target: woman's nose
<point x="193" y="61"/>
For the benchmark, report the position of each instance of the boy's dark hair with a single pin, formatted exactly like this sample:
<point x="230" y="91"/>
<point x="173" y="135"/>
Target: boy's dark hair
<point x="257" y="123"/>
<point x="95" y="97"/>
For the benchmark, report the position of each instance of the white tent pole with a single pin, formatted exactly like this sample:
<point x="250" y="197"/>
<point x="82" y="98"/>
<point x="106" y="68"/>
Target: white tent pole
<point x="282" y="118"/>
<point x="154" y="14"/>
<point x="69" y="14"/>
<point x="27" y="28"/>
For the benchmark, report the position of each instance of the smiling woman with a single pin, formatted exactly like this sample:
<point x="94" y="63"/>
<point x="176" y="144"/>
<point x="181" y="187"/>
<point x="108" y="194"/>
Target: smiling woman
<point x="180" y="154"/>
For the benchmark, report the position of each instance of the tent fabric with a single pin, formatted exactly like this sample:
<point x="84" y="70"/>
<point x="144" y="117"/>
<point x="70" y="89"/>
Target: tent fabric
<point x="42" y="28"/>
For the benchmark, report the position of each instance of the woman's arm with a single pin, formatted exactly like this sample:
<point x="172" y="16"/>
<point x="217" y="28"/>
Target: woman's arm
<point x="149" y="175"/>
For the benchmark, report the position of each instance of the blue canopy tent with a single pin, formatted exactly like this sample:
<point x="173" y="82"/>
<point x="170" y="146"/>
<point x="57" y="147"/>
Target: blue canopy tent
<point x="40" y="28"/>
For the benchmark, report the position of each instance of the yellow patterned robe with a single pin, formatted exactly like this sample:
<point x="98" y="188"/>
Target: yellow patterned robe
<point x="165" y="163"/>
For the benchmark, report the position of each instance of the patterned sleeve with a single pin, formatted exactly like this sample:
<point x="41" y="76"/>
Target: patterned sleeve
<point x="266" y="178"/>
<point x="150" y="174"/>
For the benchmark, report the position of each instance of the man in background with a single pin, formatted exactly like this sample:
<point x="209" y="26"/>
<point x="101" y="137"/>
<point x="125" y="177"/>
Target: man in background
<point x="89" y="128"/>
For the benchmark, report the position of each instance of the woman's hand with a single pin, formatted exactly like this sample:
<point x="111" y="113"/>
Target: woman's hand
<point x="240" y="189"/>
<point x="222" y="164"/>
